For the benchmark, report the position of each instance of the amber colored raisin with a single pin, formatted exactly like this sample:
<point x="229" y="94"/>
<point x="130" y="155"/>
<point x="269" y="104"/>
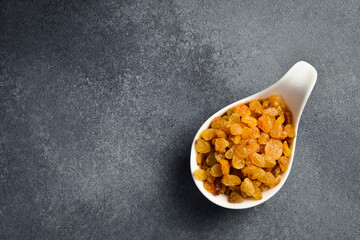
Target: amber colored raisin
<point x="253" y="147"/>
<point x="237" y="162"/>
<point x="200" y="158"/>
<point x="200" y="174"/>
<point x="271" y="112"/>
<point x="265" y="123"/>
<point x="284" y="163"/>
<point x="264" y="138"/>
<point x="280" y="120"/>
<point x="240" y="151"/>
<point x="202" y="146"/>
<point x="215" y="170"/>
<point x="265" y="103"/>
<point x="275" y="100"/>
<point x="288" y="117"/>
<point x="273" y="148"/>
<point x="219" y="156"/>
<point x="257" y="194"/>
<point x="235" y="197"/>
<point x="236" y="129"/>
<point x="250" y="121"/>
<point x="230" y="153"/>
<point x="253" y="172"/>
<point x="247" y="187"/>
<point x="255" y="132"/>
<point x="210" y="187"/>
<point x="234" y="118"/>
<point x="276" y="131"/>
<point x="210" y="160"/>
<point x="230" y="180"/>
<point x="269" y="162"/>
<point x="220" y="133"/>
<point x="242" y="110"/>
<point x="277" y="181"/>
<point x="225" y="166"/>
<point x="290" y="130"/>
<point x="263" y="187"/>
<point x="235" y="139"/>
<point x="208" y="134"/>
<point x="220" y="145"/>
<point x="267" y="179"/>
<point x="254" y="105"/>
<point x="276" y="171"/>
<point x="286" y="149"/>
<point x="257" y="159"/>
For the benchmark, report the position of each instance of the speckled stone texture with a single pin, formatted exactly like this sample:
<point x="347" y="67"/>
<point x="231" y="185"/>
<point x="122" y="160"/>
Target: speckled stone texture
<point x="100" y="101"/>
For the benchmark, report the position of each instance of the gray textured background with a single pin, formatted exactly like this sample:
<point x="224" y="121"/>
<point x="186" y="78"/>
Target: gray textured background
<point x="100" y="100"/>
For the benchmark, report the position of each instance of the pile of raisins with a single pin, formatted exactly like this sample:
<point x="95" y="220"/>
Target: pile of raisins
<point x="244" y="152"/>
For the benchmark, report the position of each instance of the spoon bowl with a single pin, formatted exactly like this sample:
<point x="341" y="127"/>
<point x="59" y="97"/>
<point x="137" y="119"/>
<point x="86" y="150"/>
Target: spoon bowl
<point x="295" y="88"/>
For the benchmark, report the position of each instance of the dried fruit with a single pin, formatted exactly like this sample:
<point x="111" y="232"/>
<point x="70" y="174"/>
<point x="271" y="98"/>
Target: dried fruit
<point x="236" y="129"/>
<point x="250" y="141"/>
<point x="215" y="170"/>
<point x="210" y="187"/>
<point x="235" y="197"/>
<point x="210" y="160"/>
<point x="200" y="174"/>
<point x="231" y="180"/>
<point x="283" y="163"/>
<point x="237" y="162"/>
<point x="250" y="121"/>
<point x="286" y="149"/>
<point x="273" y="148"/>
<point x="202" y="146"/>
<point x="225" y="167"/>
<point x="290" y="130"/>
<point x="257" y="159"/>
<point x="253" y="172"/>
<point x="264" y="138"/>
<point x="265" y="123"/>
<point x="247" y="187"/>
<point x="221" y="144"/>
<point x="208" y="134"/>
<point x="267" y="179"/>
<point x="242" y="110"/>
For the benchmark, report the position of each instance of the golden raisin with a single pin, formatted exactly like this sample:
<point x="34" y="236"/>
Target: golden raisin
<point x="250" y="121"/>
<point x="247" y="187"/>
<point x="269" y="162"/>
<point x="200" y="158"/>
<point x="286" y="149"/>
<point x="200" y="174"/>
<point x="257" y="159"/>
<point x="208" y="134"/>
<point x="230" y="180"/>
<point x="254" y="105"/>
<point x="284" y="163"/>
<point x="265" y="123"/>
<point x="210" y="160"/>
<point x="210" y="187"/>
<point x="230" y="153"/>
<point x="240" y="151"/>
<point x="221" y="144"/>
<point x="257" y="194"/>
<point x="237" y="162"/>
<point x="290" y="130"/>
<point x="236" y="129"/>
<point x="267" y="179"/>
<point x="255" y="132"/>
<point x="234" y="118"/>
<point x="235" y="197"/>
<point x="276" y="131"/>
<point x="273" y="148"/>
<point x="242" y="110"/>
<point x="225" y="167"/>
<point x="280" y="120"/>
<point x="264" y="138"/>
<point x="253" y="172"/>
<point x="235" y="139"/>
<point x="271" y="112"/>
<point x="215" y="170"/>
<point x="202" y="146"/>
<point x="246" y="133"/>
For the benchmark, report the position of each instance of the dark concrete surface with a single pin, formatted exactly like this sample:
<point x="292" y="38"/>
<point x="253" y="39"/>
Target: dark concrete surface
<point x="100" y="100"/>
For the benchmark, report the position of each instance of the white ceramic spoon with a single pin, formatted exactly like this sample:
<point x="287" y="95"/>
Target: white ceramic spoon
<point x="295" y="87"/>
